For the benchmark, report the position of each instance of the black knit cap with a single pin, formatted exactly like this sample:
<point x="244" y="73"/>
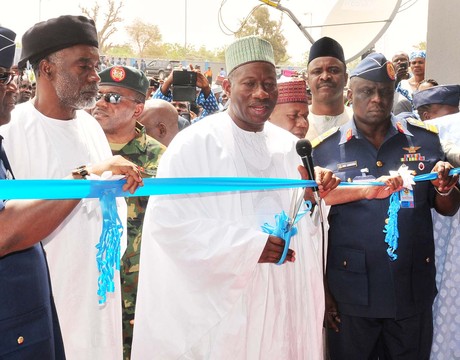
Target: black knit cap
<point x="49" y="36"/>
<point x="326" y="46"/>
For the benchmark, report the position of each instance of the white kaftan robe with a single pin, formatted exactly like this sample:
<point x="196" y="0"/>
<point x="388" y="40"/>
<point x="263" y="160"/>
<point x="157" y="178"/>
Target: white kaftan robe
<point x="39" y="147"/>
<point x="202" y="293"/>
<point x="446" y="318"/>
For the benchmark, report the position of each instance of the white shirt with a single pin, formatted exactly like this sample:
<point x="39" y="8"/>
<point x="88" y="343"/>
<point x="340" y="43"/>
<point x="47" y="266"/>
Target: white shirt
<point x="319" y="124"/>
<point x="449" y="133"/>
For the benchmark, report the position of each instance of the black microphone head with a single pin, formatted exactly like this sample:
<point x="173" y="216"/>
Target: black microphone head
<point x="303" y="147"/>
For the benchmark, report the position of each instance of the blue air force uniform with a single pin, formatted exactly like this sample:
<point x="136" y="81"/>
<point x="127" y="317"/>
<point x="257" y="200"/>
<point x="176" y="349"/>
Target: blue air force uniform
<point x="29" y="328"/>
<point x="384" y="303"/>
<point x="363" y="279"/>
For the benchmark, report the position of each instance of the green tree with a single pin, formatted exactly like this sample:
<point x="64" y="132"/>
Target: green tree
<point x="144" y="36"/>
<point x="259" y="23"/>
<point x="106" y="21"/>
<point x="122" y="51"/>
<point x="421" y="45"/>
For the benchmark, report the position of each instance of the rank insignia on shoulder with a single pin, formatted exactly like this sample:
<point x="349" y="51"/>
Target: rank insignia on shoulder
<point x="319" y="139"/>
<point x="421" y="124"/>
<point x="400" y="127"/>
<point x="349" y="134"/>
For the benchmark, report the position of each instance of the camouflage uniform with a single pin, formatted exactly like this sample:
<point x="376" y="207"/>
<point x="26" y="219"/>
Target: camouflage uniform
<point x="145" y="152"/>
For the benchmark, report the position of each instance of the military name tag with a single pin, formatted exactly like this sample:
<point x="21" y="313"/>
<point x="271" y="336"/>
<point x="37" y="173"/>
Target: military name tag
<point x="347" y="165"/>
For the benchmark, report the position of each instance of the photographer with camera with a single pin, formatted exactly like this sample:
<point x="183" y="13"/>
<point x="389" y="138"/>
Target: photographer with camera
<point x="186" y="85"/>
<point x="400" y="62"/>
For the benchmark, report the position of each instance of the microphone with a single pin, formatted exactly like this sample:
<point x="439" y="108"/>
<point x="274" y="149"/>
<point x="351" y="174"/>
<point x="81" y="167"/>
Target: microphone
<point x="304" y="148"/>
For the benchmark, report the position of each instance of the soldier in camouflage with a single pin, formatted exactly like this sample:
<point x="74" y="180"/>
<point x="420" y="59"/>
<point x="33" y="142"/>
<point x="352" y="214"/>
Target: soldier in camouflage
<point x="121" y="99"/>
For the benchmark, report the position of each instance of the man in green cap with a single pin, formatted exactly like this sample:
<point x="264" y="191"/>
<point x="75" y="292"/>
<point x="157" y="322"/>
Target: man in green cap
<point x="120" y="102"/>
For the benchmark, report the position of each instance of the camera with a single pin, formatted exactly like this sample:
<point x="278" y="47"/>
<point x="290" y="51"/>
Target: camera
<point x="154" y="83"/>
<point x="185" y="115"/>
<point x="184" y="85"/>
<point x="403" y="65"/>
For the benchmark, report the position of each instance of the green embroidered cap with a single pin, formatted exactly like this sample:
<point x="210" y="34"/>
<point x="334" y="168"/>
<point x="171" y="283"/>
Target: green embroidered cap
<point x="248" y="49"/>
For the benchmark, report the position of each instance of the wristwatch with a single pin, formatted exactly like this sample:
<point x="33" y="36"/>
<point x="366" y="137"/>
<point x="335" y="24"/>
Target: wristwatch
<point x="81" y="171"/>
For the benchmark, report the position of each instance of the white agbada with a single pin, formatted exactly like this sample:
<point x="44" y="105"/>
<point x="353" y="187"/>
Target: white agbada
<point x="319" y="124"/>
<point x="449" y="133"/>
<point x="202" y="293"/>
<point x="39" y="147"/>
<point x="446" y="229"/>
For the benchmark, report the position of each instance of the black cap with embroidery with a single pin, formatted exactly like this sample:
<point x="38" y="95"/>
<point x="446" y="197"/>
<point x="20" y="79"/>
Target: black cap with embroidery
<point x="326" y="46"/>
<point x="375" y="67"/>
<point x="125" y="76"/>
<point x="49" y="36"/>
<point x="7" y="47"/>
<point x="441" y="94"/>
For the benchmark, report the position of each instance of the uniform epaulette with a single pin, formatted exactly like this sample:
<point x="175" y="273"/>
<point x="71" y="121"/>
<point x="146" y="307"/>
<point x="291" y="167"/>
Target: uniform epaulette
<point x="319" y="139"/>
<point x="423" y="125"/>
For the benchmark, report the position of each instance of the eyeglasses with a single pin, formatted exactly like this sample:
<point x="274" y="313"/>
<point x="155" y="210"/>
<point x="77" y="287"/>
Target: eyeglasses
<point x="114" y="98"/>
<point x="6" y="77"/>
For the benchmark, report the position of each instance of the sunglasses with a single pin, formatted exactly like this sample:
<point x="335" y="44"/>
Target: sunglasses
<point x="113" y="98"/>
<point x="6" y="77"/>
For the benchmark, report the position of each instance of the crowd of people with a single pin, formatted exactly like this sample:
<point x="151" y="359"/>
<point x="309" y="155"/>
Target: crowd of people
<point x="371" y="271"/>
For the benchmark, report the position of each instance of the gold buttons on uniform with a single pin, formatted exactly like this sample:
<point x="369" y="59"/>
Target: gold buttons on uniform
<point x="379" y="163"/>
<point x="20" y="340"/>
<point x="427" y="260"/>
<point x="345" y="263"/>
<point x="387" y="220"/>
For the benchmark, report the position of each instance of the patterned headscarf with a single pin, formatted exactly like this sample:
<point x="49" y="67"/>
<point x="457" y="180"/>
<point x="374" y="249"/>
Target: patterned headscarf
<point x="417" y="54"/>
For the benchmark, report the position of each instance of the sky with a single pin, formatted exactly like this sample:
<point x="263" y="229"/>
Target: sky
<point x="197" y="22"/>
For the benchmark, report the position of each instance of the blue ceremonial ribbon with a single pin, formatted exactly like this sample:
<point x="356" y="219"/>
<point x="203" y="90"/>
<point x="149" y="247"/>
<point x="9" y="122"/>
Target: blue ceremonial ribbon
<point x="391" y="229"/>
<point x="284" y="230"/>
<point x="78" y="189"/>
<point x="54" y="189"/>
<point x="108" y="256"/>
<point x="108" y="248"/>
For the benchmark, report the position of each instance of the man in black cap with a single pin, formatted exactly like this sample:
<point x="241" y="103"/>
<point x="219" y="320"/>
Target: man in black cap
<point x="327" y="77"/>
<point x="120" y="103"/>
<point x="49" y="137"/>
<point x="379" y="292"/>
<point x="30" y="326"/>
<point x="29" y="315"/>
